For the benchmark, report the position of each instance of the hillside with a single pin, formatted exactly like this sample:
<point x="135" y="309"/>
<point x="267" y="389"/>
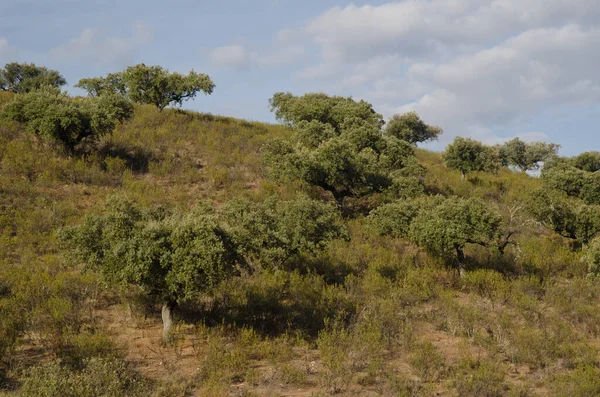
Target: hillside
<point x="369" y="315"/>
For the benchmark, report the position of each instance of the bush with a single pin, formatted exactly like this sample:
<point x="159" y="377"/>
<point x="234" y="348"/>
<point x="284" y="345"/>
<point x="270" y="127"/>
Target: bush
<point x="99" y="377"/>
<point x="487" y="284"/>
<point x="583" y="381"/>
<point x="428" y="361"/>
<point x="53" y="115"/>
<point x="482" y="378"/>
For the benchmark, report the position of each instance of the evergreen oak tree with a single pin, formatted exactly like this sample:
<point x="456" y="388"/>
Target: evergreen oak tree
<point x="27" y="77"/>
<point x="336" y="144"/>
<point x="441" y="226"/>
<point x="152" y="85"/>
<point x="176" y="257"/>
<point x="51" y="114"/>
<point x="468" y="155"/>
<point x="410" y="128"/>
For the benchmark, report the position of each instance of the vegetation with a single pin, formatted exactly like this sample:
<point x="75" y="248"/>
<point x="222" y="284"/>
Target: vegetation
<point x="410" y="128"/>
<point x="467" y="155"/>
<point x="27" y="77"/>
<point x="337" y="145"/>
<point x="152" y="85"/>
<point x="527" y="156"/>
<point x="225" y="234"/>
<point x="51" y="114"/>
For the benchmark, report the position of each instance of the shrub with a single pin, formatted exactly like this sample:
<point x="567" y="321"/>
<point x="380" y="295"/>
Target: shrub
<point x="53" y="115"/>
<point x="428" y="361"/>
<point x="583" y="381"/>
<point x="99" y="377"/>
<point x="482" y="378"/>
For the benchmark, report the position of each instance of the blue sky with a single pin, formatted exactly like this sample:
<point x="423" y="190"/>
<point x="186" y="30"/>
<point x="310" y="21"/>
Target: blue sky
<point x="491" y="70"/>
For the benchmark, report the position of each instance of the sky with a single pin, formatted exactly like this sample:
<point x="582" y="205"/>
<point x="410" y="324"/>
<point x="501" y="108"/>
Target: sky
<point x="487" y="69"/>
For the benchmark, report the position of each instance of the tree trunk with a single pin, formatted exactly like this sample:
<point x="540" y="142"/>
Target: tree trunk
<point x="167" y="317"/>
<point x="460" y="255"/>
<point x="462" y="176"/>
<point x="339" y="201"/>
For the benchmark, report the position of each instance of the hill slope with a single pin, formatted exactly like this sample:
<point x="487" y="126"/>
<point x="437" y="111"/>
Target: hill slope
<point x="369" y="316"/>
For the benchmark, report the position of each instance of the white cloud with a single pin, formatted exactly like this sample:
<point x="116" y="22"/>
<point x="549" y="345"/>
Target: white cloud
<point x="287" y="47"/>
<point x="232" y="55"/>
<point x="7" y="52"/>
<point x="92" y="46"/>
<point x="238" y="57"/>
<point x="471" y="66"/>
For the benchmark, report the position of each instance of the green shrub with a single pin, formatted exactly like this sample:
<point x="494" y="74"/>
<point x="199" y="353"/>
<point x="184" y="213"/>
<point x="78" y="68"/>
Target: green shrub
<point x="583" y="381"/>
<point x="487" y="284"/>
<point x="99" y="377"/>
<point x="428" y="361"/>
<point x="482" y="378"/>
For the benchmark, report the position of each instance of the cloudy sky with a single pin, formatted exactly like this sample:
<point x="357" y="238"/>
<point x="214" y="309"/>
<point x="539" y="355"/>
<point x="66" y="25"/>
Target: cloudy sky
<point x="489" y="69"/>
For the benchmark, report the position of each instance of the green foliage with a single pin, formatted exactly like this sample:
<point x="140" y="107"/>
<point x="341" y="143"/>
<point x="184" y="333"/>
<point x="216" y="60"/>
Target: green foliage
<point x="527" y="156"/>
<point x="467" y="155"/>
<point x="150" y="85"/>
<point x="410" y="128"/>
<point x="335" y="111"/>
<point x="53" y="115"/>
<point x="394" y="219"/>
<point x="587" y="161"/>
<point x="171" y="256"/>
<point x="566" y="216"/>
<point x="566" y="178"/>
<point x="100" y="377"/>
<point x="428" y="361"/>
<point x="483" y="378"/>
<point x="583" y="381"/>
<point x="336" y="145"/>
<point x="269" y="232"/>
<point x="27" y="77"/>
<point x="591" y="257"/>
<point x="441" y="226"/>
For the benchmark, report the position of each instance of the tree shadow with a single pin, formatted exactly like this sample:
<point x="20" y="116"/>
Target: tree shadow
<point x="136" y="158"/>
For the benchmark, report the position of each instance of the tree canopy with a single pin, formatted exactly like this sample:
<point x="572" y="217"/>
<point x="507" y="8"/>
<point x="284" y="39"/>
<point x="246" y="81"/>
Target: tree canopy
<point x="587" y="161"/>
<point x="468" y="155"/>
<point x="566" y="216"/>
<point x="150" y="85"/>
<point x="27" y="77"/>
<point x="337" y="144"/>
<point x="334" y="111"/>
<point x="269" y="232"/>
<point x="54" y="115"/>
<point x="410" y="128"/>
<point x="171" y="256"/>
<point x="527" y="156"/>
<point x="177" y="256"/>
<point x="441" y="226"/>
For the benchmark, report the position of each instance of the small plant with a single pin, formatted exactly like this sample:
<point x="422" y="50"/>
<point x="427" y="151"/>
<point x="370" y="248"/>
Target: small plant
<point x="482" y="378"/>
<point x="428" y="361"/>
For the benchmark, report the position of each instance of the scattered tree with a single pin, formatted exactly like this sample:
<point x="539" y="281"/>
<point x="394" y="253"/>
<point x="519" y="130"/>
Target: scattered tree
<point x="173" y="257"/>
<point x="410" y="128"/>
<point x="150" y="85"/>
<point x="334" y="111"/>
<point x="566" y="216"/>
<point x="176" y="257"/>
<point x="27" y="77"/>
<point x="337" y="145"/>
<point x="52" y="114"/>
<point x="443" y="227"/>
<point x="468" y="155"/>
<point x="527" y="156"/>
